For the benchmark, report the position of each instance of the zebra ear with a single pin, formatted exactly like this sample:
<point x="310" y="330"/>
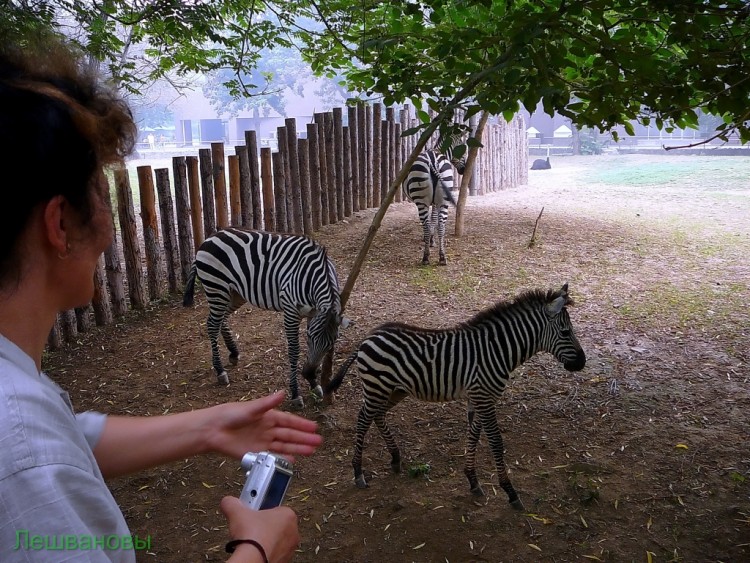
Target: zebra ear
<point x="561" y="299"/>
<point x="556" y="305"/>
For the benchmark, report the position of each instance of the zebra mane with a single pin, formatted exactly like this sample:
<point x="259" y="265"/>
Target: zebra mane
<point x="528" y="299"/>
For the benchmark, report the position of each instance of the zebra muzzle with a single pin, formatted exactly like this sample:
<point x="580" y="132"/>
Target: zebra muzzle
<point x="576" y="365"/>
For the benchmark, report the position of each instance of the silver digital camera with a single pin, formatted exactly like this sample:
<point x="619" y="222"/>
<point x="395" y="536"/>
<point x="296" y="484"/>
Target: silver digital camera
<point x="267" y="479"/>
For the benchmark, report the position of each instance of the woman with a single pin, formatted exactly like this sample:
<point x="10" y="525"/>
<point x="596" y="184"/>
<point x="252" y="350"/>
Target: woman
<point x="60" y="127"/>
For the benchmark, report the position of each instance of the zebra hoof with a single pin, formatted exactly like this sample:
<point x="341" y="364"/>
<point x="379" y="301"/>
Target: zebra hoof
<point x="517" y="505"/>
<point x="318" y="391"/>
<point x="298" y="403"/>
<point x="233" y="359"/>
<point x="477" y="491"/>
<point x="223" y="378"/>
<point x="360" y="482"/>
<point x="425" y="261"/>
<point x="443" y="262"/>
<point x="396" y="467"/>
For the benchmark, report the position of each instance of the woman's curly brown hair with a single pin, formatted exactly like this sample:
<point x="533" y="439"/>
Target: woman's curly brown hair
<point x="60" y="124"/>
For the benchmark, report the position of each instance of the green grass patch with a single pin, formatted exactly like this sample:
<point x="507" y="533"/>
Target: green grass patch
<point x="702" y="307"/>
<point x="442" y="281"/>
<point x="729" y="173"/>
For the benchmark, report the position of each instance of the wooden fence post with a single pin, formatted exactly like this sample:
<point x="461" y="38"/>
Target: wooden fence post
<point x="246" y="192"/>
<point x="235" y="202"/>
<point x="319" y="119"/>
<point x="68" y="325"/>
<point x="169" y="236"/>
<point x="207" y="184"/>
<point x="83" y="318"/>
<point x="129" y="231"/>
<point x="55" y="340"/>
<point x="384" y="164"/>
<point x="220" y="185"/>
<point x="377" y="130"/>
<point x="338" y="153"/>
<point x="266" y="176"/>
<point x="354" y="152"/>
<point x="331" y="165"/>
<point x="295" y="182"/>
<point x="303" y="154"/>
<point x="182" y="205"/>
<point x="363" y="143"/>
<point x="281" y="136"/>
<point x="113" y="268"/>
<point x="346" y="169"/>
<point x="314" y="160"/>
<point x="279" y="190"/>
<point x="101" y="300"/>
<point x="397" y="159"/>
<point x="154" y="267"/>
<point x="196" y="205"/>
<point x="251" y="142"/>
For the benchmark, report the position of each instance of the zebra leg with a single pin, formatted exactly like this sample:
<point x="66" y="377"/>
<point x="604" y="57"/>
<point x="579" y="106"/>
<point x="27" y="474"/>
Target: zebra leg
<point x="235" y="302"/>
<point x="363" y="424"/>
<point x="291" y="329"/>
<point x="424" y="217"/>
<point x="390" y="442"/>
<point x="470" y="469"/>
<point x="214" y="324"/>
<point x="441" y="220"/>
<point x="488" y="417"/>
<point x="226" y="334"/>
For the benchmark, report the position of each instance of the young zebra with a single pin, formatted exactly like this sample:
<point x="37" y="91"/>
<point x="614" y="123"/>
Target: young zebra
<point x="472" y="361"/>
<point x="430" y="169"/>
<point x="286" y="273"/>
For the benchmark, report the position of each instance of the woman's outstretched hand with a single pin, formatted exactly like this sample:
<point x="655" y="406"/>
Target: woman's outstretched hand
<point x="254" y="426"/>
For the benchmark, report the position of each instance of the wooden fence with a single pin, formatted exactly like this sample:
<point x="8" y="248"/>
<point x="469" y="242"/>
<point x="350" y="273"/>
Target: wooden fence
<point x="313" y="180"/>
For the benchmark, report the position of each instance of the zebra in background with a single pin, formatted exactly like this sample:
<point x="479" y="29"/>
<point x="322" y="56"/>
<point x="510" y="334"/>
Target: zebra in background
<point x="429" y="185"/>
<point x="471" y="361"/>
<point x="286" y="273"/>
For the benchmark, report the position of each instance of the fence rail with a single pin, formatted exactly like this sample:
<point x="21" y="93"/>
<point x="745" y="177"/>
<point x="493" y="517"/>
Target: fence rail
<point x="339" y="167"/>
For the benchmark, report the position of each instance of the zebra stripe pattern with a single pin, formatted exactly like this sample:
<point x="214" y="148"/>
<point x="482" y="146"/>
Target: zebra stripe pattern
<point x="449" y="146"/>
<point x="429" y="185"/>
<point x="279" y="272"/>
<point x="472" y="361"/>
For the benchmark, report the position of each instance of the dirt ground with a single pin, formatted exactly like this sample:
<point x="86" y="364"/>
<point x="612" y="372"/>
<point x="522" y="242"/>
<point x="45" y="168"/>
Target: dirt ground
<point x="642" y="456"/>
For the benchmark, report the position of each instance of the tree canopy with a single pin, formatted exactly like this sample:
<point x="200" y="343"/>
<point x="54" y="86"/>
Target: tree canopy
<point x="602" y="63"/>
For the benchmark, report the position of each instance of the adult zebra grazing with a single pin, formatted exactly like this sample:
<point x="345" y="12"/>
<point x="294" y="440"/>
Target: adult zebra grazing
<point x="471" y="361"/>
<point x="286" y="273"/>
<point x="429" y="170"/>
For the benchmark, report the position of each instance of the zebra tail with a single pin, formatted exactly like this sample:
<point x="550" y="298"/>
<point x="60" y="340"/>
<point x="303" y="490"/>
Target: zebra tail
<point x="336" y="382"/>
<point x="187" y="298"/>
<point x="448" y="195"/>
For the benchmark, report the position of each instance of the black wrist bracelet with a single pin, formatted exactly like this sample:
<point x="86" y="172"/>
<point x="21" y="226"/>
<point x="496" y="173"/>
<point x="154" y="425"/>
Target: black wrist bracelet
<point x="232" y="545"/>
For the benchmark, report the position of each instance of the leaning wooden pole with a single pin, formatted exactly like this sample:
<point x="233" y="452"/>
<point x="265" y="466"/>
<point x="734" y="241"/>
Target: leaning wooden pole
<point x="327" y="366"/>
<point x="446" y="113"/>
<point x="386" y="202"/>
<point x="468" y="173"/>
